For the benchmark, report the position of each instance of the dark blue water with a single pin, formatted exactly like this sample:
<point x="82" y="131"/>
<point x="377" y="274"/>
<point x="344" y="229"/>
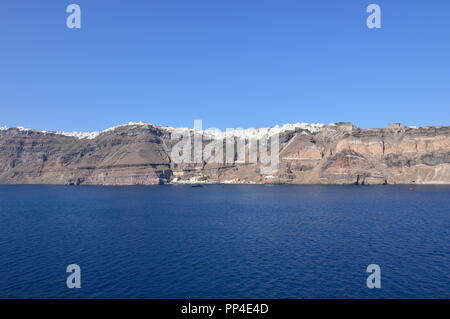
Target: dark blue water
<point x="224" y="241"/>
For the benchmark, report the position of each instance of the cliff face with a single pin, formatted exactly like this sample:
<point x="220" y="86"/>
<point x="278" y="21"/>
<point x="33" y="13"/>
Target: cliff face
<point x="142" y="155"/>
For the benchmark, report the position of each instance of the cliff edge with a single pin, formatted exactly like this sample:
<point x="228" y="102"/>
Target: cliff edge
<point x="141" y="154"/>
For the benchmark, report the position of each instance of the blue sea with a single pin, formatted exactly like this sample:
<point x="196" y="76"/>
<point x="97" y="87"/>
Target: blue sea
<point x="225" y="241"/>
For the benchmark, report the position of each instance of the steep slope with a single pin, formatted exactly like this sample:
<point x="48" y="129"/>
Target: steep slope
<point x="140" y="154"/>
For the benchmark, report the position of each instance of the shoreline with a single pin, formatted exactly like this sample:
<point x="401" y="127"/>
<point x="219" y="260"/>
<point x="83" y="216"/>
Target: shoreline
<point x="226" y="184"/>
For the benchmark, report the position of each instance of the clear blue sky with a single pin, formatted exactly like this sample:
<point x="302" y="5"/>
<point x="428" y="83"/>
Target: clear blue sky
<point x="231" y="63"/>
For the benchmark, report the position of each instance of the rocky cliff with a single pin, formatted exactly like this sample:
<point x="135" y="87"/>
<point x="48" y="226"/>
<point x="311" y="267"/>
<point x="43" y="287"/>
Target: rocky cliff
<point x="141" y="154"/>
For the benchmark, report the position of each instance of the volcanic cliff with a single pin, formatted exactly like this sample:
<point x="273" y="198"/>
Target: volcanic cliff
<point x="141" y="154"/>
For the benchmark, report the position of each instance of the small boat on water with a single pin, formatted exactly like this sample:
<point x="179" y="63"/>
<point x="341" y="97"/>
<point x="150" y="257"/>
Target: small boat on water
<point x="197" y="185"/>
